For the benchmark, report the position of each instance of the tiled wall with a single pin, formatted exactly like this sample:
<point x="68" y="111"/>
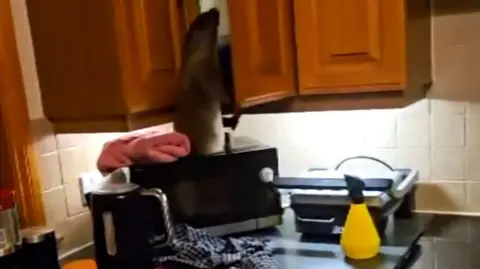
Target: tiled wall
<point x="440" y="136"/>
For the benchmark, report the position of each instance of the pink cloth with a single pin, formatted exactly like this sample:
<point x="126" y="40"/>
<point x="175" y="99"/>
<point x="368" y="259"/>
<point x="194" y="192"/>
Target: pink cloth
<point x="150" y="147"/>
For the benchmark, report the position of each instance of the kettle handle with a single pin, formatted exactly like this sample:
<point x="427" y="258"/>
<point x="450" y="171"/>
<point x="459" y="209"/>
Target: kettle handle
<point x="165" y="209"/>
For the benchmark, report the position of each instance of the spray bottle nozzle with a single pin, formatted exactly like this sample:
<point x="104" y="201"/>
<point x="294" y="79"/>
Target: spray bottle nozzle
<point x="355" y="187"/>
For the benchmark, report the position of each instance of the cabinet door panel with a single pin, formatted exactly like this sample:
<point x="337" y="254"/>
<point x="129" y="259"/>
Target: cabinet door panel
<point x="108" y="65"/>
<point x="263" y="51"/>
<point x="150" y="34"/>
<point x="350" y="46"/>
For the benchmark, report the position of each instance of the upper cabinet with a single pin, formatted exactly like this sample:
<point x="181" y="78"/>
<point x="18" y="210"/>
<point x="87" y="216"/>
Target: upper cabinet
<point x="263" y="46"/>
<point x="346" y="54"/>
<point x="108" y="65"/>
<point x="112" y="65"/>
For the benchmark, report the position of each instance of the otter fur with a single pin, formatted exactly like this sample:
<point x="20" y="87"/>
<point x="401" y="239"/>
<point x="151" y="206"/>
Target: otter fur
<point x="200" y="90"/>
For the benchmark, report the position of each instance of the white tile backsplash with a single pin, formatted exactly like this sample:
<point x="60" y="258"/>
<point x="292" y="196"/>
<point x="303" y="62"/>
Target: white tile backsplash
<point x="448" y="107"/>
<point x="472" y="136"/>
<point x="73" y="162"/>
<point x="381" y="130"/>
<point x="51" y="176"/>
<point x="418" y="158"/>
<point x="451" y="197"/>
<point x="413" y="131"/>
<point x="74" y="199"/>
<point x="473" y="109"/>
<point x="389" y="156"/>
<point x="448" y="130"/>
<point x="448" y="164"/>
<point x="400" y="137"/>
<point x="473" y="201"/>
<point x="473" y="164"/>
<point x="413" y="125"/>
<point x="55" y="206"/>
<point x="65" y="141"/>
<point x="92" y="152"/>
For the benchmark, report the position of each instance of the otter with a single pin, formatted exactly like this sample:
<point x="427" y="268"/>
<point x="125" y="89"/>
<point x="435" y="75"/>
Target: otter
<point x="201" y="90"/>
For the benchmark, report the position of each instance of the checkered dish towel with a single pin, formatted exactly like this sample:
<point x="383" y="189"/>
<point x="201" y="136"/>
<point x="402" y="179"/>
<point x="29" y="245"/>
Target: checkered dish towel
<point x="202" y="250"/>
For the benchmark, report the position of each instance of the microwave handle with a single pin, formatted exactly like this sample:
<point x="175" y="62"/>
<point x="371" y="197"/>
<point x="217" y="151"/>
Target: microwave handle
<point x="165" y="209"/>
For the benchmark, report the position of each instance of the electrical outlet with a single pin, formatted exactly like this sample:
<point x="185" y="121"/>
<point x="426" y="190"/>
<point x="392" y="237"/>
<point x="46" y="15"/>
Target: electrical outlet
<point x="89" y="182"/>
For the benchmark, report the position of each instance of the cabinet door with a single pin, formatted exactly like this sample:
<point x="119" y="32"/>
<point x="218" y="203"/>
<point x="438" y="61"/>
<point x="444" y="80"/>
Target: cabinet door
<point x="262" y="50"/>
<point x="150" y="35"/>
<point x="350" y="46"/>
<point x="108" y="65"/>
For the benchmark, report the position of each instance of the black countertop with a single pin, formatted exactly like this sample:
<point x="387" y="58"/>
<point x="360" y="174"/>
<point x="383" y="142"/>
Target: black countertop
<point x="451" y="242"/>
<point x="399" y="247"/>
<point x="292" y="250"/>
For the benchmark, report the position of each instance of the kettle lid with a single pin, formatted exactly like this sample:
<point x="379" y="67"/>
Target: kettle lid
<point x="115" y="188"/>
<point x="117" y="182"/>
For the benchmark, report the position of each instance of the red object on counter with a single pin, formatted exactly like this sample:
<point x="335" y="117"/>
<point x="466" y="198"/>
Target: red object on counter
<point x="7" y="199"/>
<point x="142" y="147"/>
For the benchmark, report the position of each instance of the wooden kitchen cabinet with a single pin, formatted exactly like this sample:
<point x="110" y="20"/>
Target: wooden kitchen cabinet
<point x="263" y="50"/>
<point x="330" y="54"/>
<point x="108" y="65"/>
<point x="346" y="46"/>
<point x="112" y="65"/>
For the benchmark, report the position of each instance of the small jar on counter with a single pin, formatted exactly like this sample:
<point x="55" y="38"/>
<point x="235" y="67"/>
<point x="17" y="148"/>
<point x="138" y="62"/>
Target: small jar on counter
<point x="9" y="223"/>
<point x="39" y="249"/>
<point x="7" y="257"/>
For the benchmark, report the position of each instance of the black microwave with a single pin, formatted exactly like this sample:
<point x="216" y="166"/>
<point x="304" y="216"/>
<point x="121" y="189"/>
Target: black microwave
<point x="223" y="193"/>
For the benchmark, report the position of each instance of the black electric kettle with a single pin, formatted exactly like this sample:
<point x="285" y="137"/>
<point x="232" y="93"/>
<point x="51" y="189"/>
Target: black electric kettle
<point x="130" y="224"/>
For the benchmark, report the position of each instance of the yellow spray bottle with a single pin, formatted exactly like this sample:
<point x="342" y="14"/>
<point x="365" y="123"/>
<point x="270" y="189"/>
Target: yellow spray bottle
<point x="359" y="239"/>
